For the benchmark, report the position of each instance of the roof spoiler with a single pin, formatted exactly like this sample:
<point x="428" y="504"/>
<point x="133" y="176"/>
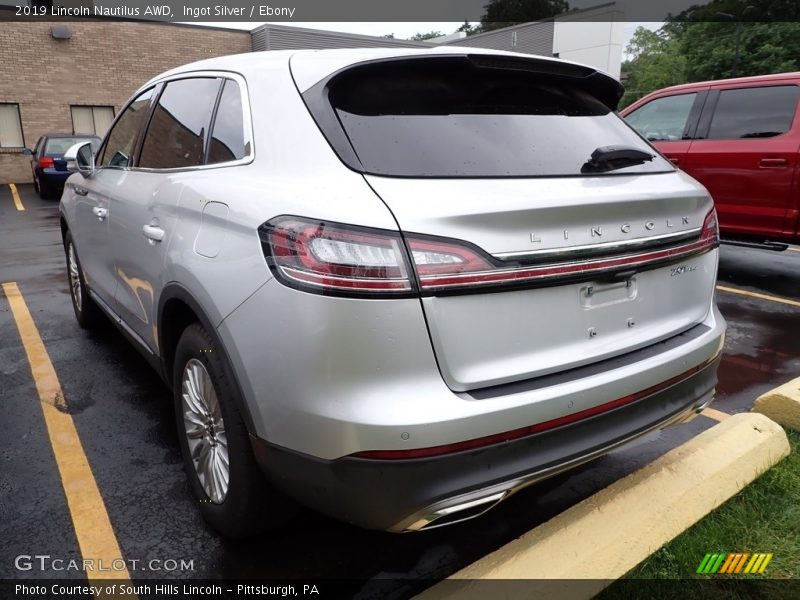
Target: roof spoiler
<point x="600" y="85"/>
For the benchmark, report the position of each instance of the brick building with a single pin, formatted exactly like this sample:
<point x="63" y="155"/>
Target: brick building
<point x="43" y="79"/>
<point x="74" y="76"/>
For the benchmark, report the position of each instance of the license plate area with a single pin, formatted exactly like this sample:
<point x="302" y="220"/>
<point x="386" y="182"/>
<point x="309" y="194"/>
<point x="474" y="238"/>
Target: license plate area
<point x="596" y="294"/>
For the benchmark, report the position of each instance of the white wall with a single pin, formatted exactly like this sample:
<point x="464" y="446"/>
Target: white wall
<point x="592" y="37"/>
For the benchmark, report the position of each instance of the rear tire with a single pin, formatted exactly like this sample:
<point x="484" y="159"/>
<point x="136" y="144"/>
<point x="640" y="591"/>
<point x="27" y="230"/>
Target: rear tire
<point x="45" y="190"/>
<point x="233" y="496"/>
<point x="87" y="312"/>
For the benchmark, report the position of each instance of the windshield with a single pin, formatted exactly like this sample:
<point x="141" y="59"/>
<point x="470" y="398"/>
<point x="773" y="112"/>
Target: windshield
<point x="447" y="118"/>
<point x="62" y="144"/>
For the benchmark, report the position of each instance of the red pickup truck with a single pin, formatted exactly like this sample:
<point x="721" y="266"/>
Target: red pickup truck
<point x="740" y="138"/>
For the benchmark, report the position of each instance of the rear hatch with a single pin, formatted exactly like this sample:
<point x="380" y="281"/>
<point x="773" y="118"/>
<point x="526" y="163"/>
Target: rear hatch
<point x="562" y="238"/>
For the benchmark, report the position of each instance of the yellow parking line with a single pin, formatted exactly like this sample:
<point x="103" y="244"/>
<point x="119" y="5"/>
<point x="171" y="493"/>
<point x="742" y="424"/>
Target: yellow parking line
<point x="713" y="413"/>
<point x="15" y="195"/>
<point x="793" y="249"/>
<point x="757" y="295"/>
<point x="89" y="516"/>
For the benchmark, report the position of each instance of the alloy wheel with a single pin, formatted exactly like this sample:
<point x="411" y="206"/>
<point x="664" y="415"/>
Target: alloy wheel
<point x="205" y="430"/>
<point x="74" y="278"/>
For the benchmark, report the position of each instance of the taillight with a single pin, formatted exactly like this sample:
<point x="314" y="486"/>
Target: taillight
<point x="710" y="233"/>
<point x="46" y="163"/>
<point x="335" y="259"/>
<point x="478" y="270"/>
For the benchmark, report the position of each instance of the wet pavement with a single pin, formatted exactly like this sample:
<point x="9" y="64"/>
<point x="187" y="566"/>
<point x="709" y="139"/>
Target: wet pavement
<point x="123" y="416"/>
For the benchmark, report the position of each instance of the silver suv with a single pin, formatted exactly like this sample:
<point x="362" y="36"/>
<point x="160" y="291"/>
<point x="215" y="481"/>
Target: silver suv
<point x="396" y="286"/>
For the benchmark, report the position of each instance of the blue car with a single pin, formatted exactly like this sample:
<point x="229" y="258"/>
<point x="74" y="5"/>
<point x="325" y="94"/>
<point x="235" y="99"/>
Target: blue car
<point x="48" y="167"/>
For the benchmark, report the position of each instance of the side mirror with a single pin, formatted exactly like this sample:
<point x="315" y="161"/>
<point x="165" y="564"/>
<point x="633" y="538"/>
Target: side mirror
<point x="27" y="152"/>
<point x="80" y="159"/>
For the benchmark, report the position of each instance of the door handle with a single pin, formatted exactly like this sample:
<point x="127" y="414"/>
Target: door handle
<point x="674" y="159"/>
<point x="81" y="191"/>
<point x="100" y="212"/>
<point x="154" y="233"/>
<point x="773" y="163"/>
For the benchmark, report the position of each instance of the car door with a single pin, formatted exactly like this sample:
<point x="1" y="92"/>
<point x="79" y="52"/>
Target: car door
<point x="35" y="158"/>
<point x="145" y="204"/>
<point x="669" y="122"/>
<point x="93" y="199"/>
<point x="746" y="155"/>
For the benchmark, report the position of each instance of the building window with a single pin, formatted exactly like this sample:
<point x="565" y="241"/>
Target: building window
<point x="10" y="127"/>
<point x="92" y="119"/>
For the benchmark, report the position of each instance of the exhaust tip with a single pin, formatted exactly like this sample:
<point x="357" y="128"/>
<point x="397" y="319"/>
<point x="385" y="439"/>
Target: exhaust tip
<point x="457" y="512"/>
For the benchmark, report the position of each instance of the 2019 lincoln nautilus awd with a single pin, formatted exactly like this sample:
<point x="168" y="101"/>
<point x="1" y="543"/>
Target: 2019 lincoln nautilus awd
<point x="396" y="286"/>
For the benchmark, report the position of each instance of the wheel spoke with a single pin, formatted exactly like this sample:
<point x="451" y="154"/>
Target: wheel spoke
<point x="205" y="430"/>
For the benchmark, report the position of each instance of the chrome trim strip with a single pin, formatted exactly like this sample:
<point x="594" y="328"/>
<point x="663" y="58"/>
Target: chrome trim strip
<point x="635" y="260"/>
<point x="603" y="246"/>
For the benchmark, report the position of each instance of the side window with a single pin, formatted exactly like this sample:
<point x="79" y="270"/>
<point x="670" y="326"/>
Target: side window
<point x="228" y="137"/>
<point x="177" y="133"/>
<point x="119" y="145"/>
<point x="663" y="119"/>
<point x="754" y="112"/>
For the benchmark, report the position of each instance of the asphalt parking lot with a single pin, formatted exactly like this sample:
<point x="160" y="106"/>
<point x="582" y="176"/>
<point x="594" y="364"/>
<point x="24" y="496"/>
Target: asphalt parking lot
<point x="123" y="416"/>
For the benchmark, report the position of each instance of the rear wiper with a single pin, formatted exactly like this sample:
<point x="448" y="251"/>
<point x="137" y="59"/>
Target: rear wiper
<point x="610" y="158"/>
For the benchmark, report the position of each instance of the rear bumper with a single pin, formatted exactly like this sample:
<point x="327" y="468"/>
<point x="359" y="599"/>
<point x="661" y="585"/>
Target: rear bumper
<point x="53" y="177"/>
<point x="414" y="494"/>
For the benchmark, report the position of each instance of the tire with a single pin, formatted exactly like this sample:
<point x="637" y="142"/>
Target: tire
<point x="45" y="190"/>
<point x="246" y="504"/>
<point x="36" y="183"/>
<point x="87" y="313"/>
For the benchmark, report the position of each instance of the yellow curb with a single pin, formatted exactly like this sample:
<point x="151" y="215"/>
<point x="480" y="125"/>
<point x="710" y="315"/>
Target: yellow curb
<point x="608" y="534"/>
<point x="713" y="413"/>
<point x="782" y="404"/>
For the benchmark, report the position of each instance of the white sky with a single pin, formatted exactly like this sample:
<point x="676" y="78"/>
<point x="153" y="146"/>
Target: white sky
<point x="399" y="29"/>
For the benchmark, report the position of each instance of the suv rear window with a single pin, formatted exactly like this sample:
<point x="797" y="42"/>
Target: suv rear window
<point x="448" y="117"/>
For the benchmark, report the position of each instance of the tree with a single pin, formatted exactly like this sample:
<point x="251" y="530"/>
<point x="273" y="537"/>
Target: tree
<point x="716" y="50"/>
<point x="469" y="29"/>
<point x="685" y="50"/>
<point x="503" y="13"/>
<point x="655" y="62"/>
<point x="421" y="37"/>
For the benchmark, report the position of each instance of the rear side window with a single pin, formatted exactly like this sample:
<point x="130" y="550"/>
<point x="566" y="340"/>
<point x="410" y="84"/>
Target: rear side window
<point x="122" y="137"/>
<point x="757" y="112"/>
<point x="227" y="139"/>
<point x="451" y="118"/>
<point x="178" y="131"/>
<point x="663" y="119"/>
<point x="61" y="145"/>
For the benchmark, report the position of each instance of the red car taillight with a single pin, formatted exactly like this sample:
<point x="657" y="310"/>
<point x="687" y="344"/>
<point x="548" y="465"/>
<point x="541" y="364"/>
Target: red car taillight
<point x="338" y="259"/>
<point x="46" y="163"/>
